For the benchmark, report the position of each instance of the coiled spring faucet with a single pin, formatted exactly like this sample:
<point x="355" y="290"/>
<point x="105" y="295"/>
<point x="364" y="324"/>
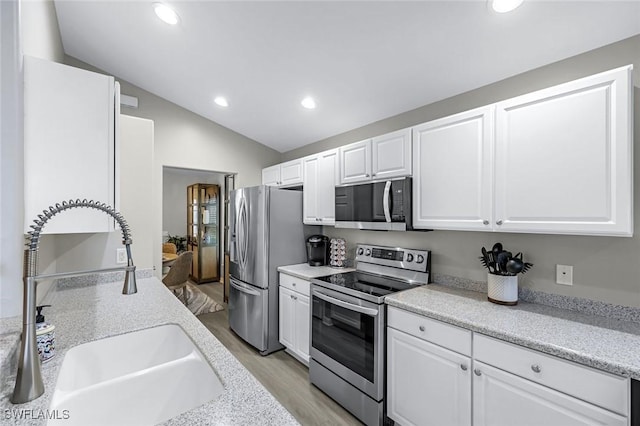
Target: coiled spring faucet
<point x="29" y="385"/>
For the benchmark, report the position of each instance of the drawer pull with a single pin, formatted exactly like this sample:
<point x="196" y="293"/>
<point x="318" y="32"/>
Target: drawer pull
<point x="293" y="284"/>
<point x="421" y="328"/>
<point x="536" y="368"/>
<point x="477" y="371"/>
<point x="463" y="367"/>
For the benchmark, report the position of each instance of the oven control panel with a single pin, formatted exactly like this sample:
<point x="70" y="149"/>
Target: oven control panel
<point x="412" y="259"/>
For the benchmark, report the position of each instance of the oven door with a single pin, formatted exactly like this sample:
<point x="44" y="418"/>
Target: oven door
<point x="347" y="337"/>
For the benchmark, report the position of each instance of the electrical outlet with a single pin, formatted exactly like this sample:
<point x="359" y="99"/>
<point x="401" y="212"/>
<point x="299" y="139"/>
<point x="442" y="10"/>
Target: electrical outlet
<point x="121" y="255"/>
<point x="564" y="274"/>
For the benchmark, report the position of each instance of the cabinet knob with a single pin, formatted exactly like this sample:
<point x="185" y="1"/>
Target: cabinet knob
<point x="421" y="328"/>
<point x="373" y="175"/>
<point x="367" y="175"/>
<point x="485" y="222"/>
<point x="463" y="367"/>
<point x="294" y="284"/>
<point x="477" y="372"/>
<point x="536" y="368"/>
<point x="498" y="222"/>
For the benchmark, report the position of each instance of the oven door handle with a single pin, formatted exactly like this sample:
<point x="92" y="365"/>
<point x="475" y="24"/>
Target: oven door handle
<point x="346" y="305"/>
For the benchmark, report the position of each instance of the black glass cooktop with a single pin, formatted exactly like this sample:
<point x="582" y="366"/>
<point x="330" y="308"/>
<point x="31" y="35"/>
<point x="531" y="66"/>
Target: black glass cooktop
<point x="374" y="285"/>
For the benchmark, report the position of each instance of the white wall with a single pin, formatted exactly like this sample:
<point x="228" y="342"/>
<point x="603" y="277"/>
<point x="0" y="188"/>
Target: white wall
<point x="30" y="28"/>
<point x="11" y="181"/>
<point x="605" y="268"/>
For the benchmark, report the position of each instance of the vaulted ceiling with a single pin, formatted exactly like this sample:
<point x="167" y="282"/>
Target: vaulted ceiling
<point x="362" y="61"/>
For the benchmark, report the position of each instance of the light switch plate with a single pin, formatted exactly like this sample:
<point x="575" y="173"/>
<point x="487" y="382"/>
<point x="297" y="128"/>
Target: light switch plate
<point x="564" y="274"/>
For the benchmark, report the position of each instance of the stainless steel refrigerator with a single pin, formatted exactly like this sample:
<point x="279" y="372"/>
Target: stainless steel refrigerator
<point x="266" y="231"/>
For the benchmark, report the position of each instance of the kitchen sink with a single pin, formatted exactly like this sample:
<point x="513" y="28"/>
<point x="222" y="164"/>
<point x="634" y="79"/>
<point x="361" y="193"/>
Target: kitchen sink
<point x="143" y="377"/>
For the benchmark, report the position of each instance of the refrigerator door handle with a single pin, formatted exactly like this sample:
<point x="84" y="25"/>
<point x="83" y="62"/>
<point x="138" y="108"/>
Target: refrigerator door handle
<point x="241" y="239"/>
<point x="243" y="288"/>
<point x="385" y="201"/>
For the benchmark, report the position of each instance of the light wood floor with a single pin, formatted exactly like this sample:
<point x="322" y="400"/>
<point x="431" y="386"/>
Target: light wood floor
<point x="282" y="375"/>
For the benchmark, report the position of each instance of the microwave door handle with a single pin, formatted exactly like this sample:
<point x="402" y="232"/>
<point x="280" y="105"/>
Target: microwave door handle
<point x="346" y="305"/>
<point x="386" y="201"/>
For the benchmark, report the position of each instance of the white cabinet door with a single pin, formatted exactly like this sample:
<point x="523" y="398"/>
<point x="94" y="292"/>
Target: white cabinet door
<point x="291" y="173"/>
<point x="426" y="384"/>
<point x="504" y="399"/>
<point x="564" y="158"/>
<point x="302" y="324"/>
<point x="452" y="172"/>
<point x="391" y="155"/>
<point x="320" y="177"/>
<point x="286" y="321"/>
<point x="70" y="137"/>
<point x="271" y="175"/>
<point x="311" y="183"/>
<point x="355" y="162"/>
<point x="327" y="181"/>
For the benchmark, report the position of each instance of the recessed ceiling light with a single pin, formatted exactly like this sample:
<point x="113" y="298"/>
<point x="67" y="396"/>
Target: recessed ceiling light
<point x="308" y="103"/>
<point x="221" y="101"/>
<point x="165" y="13"/>
<point x="503" y="6"/>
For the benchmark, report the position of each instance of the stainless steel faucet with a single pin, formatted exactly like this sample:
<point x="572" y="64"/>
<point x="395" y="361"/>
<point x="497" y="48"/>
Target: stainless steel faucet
<point x="29" y="384"/>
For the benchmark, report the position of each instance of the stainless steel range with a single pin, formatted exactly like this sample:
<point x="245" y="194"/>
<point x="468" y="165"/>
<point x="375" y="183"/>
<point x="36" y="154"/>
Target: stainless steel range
<point x="348" y="326"/>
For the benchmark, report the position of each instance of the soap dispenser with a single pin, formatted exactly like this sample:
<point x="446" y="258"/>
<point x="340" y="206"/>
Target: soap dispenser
<point x="45" y="336"/>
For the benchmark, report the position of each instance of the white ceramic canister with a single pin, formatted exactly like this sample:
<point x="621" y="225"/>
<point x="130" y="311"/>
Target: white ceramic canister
<point x="502" y="289"/>
<point x="45" y="336"/>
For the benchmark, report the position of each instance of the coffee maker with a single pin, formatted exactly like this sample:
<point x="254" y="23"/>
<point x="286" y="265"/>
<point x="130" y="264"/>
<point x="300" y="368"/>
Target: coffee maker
<point x="318" y="250"/>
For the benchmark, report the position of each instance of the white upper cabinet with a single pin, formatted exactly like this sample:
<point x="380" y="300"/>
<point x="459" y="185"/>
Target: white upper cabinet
<point x="382" y="157"/>
<point x="559" y="161"/>
<point x="271" y="175"/>
<point x="564" y="158"/>
<point x="320" y="177"/>
<point x="283" y="174"/>
<point x="452" y="171"/>
<point x="70" y="144"/>
<point x="391" y="155"/>
<point x="355" y="162"/>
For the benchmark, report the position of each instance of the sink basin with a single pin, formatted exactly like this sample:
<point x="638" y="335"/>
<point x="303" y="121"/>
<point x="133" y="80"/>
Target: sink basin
<point x="143" y="377"/>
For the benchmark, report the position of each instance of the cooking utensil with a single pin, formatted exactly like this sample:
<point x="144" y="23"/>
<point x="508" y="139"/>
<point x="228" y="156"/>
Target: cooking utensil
<point x="515" y="266"/>
<point x="502" y="260"/>
<point x="487" y="260"/>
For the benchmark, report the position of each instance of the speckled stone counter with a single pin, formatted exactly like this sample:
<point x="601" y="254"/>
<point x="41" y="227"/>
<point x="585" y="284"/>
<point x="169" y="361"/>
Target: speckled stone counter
<point x="85" y="313"/>
<point x="604" y="343"/>
<point x="306" y="272"/>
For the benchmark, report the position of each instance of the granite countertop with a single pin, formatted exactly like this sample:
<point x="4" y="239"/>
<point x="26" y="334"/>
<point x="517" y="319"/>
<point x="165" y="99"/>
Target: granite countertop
<point x="90" y="312"/>
<point x="306" y="272"/>
<point x="597" y="341"/>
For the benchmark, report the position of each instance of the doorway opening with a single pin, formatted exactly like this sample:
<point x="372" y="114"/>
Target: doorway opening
<point x="178" y="214"/>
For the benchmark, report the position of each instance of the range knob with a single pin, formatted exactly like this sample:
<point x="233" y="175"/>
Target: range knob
<point x="420" y="259"/>
<point x="360" y="251"/>
<point x="409" y="257"/>
<point x="368" y="252"/>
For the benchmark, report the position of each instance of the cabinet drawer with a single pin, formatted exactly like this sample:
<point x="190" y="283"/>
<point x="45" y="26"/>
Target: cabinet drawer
<point x="598" y="387"/>
<point x="434" y="331"/>
<point x="295" y="284"/>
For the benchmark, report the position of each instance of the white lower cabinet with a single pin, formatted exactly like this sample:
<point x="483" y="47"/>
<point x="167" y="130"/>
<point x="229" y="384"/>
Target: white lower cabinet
<point x="427" y="384"/>
<point x="435" y="378"/>
<point x="294" y="316"/>
<point x="504" y="399"/>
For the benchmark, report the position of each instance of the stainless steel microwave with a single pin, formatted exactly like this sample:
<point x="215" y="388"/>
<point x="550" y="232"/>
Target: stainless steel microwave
<point x="382" y="206"/>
